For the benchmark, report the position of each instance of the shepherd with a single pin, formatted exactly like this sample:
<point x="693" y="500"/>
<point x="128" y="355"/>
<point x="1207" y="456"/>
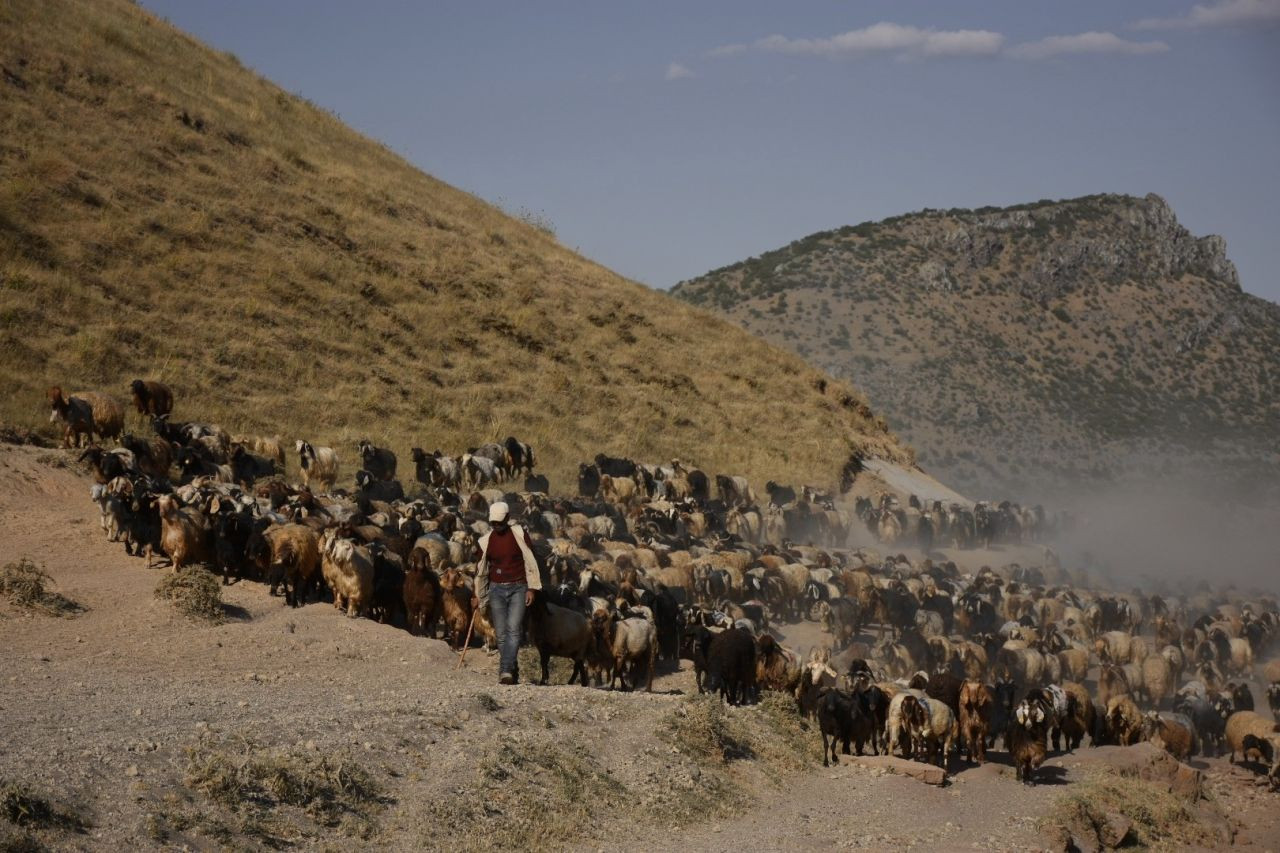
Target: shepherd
<point x="506" y="578"/>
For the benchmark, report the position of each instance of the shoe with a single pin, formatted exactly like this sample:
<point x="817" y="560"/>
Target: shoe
<point x="506" y="678"/>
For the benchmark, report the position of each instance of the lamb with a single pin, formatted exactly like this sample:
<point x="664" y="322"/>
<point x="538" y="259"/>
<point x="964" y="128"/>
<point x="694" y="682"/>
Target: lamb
<point x="898" y="726"/>
<point x="456" y="601"/>
<point x="618" y="490"/>
<point x="247" y="467"/>
<point x="1248" y="732"/>
<point x="270" y="447"/>
<point x="1114" y="647"/>
<point x="185" y="533"/>
<point x="387" y="602"/>
<point x="348" y="570"/>
<point x="370" y="488"/>
<point x="932" y="725"/>
<point x="1157" y="679"/>
<point x="478" y="471"/>
<point x="1123" y="720"/>
<point x="76" y="413"/>
<point x="1026" y="740"/>
<point x="1175" y="734"/>
<point x="292" y="556"/>
<point x="437" y="470"/>
<point x="814" y="676"/>
<point x="1111" y="682"/>
<point x="1208" y="716"/>
<point x="151" y="397"/>
<point x="422" y="594"/>
<point x="777" y="668"/>
<point x="560" y="632"/>
<point x="153" y="456"/>
<point x="1081" y="718"/>
<point x="975" y="718"/>
<point x="378" y="461"/>
<point x="1241" y="696"/>
<point x="835" y="721"/>
<point x="634" y="641"/>
<point x="108" y="464"/>
<point x="319" y="464"/>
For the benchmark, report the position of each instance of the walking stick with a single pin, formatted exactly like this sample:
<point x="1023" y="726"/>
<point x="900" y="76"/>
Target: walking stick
<point x="466" y="645"/>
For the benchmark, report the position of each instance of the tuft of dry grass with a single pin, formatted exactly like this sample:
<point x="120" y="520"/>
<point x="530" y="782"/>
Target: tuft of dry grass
<point x="1161" y="819"/>
<point x="260" y="785"/>
<point x="182" y="219"/>
<point x="25" y="585"/>
<point x="702" y="727"/>
<point x="34" y="817"/>
<point x="195" y="592"/>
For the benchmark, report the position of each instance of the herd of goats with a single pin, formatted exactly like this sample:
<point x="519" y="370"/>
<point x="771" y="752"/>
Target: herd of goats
<point x="648" y="565"/>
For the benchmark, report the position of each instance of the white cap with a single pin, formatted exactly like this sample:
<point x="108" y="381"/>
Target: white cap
<point x="498" y="511"/>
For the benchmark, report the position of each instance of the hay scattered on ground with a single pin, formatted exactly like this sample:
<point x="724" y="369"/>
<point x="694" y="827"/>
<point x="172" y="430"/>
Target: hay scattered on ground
<point x="195" y="591"/>
<point x="528" y="794"/>
<point x="26" y="586"/>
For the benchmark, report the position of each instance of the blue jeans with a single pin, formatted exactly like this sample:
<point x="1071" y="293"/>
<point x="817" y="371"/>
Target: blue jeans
<point x="506" y="612"/>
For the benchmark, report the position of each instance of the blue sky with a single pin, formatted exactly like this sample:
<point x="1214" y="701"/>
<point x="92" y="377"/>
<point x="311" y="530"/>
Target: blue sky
<point x="664" y="139"/>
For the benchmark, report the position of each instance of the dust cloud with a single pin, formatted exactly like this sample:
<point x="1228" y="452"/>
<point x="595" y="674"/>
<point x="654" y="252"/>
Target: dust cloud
<point x="1169" y="534"/>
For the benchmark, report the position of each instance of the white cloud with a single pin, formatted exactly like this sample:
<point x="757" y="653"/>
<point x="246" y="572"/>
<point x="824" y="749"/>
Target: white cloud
<point x="728" y="50"/>
<point x="676" y="71"/>
<point x="1091" y="42"/>
<point x="879" y="38"/>
<point x="1224" y="13"/>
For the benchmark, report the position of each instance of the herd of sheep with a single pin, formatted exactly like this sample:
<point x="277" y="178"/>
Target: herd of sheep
<point x="650" y="564"/>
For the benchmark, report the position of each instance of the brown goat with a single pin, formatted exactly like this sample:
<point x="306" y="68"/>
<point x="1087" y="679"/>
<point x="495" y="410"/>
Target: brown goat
<point x="1172" y="736"/>
<point x="75" y="413"/>
<point x="1123" y="721"/>
<point x="422" y="594"/>
<point x="151" y="398"/>
<point x="456" y="605"/>
<point x="185" y="535"/>
<point x="975" y="718"/>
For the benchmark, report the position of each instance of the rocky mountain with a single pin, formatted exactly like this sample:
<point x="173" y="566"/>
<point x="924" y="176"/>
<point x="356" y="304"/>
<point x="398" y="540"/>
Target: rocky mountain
<point x="1035" y="348"/>
<point x="167" y="213"/>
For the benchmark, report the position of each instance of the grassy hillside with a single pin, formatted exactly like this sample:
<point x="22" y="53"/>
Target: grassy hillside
<point x="1033" y="348"/>
<point x="165" y="212"/>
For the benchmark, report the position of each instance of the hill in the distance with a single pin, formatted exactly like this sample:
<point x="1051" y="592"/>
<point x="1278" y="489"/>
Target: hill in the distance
<point x="1035" y="348"/>
<point x="165" y="212"/>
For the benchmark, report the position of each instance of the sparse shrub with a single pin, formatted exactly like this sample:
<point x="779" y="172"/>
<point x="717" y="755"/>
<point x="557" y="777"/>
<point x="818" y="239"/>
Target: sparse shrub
<point x="24" y="584"/>
<point x="195" y="591"/>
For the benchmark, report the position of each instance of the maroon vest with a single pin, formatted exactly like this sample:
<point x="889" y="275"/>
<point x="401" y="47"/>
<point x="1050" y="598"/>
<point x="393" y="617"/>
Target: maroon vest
<point x="506" y="563"/>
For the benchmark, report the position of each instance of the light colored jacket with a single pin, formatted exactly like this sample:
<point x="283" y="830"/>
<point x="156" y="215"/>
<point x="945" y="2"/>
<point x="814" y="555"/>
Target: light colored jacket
<point x="532" y="576"/>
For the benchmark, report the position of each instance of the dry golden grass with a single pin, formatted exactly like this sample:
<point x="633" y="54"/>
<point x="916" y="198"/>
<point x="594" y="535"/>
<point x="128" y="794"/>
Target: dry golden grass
<point x="166" y="213"/>
<point x="25" y="585"/>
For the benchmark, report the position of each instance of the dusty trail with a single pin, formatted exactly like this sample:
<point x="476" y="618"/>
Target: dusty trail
<point x="101" y="709"/>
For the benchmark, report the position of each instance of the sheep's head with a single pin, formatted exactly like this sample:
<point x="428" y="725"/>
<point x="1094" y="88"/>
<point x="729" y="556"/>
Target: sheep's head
<point x="1029" y="714"/>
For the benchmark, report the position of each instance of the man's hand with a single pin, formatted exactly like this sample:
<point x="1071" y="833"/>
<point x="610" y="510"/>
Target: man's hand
<point x="528" y="598"/>
<point x="475" y="603"/>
